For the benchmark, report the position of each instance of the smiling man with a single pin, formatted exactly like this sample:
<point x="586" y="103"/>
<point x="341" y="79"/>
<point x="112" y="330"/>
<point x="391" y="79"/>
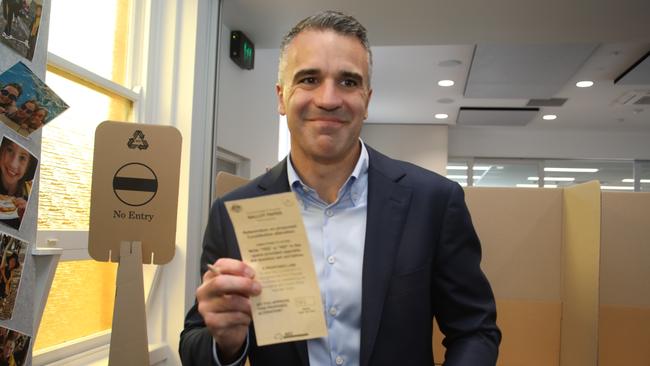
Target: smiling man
<point x="8" y="96"/>
<point x="393" y="244"/>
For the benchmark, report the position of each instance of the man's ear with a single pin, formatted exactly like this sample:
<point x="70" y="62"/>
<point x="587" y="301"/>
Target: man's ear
<point x="280" y="93"/>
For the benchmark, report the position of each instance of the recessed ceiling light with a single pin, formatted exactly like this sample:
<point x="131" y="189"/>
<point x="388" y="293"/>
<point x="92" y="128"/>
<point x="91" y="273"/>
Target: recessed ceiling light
<point x="584" y="84"/>
<point x="549" y="117"/>
<point x="446" y="83"/>
<point x="441" y="116"/>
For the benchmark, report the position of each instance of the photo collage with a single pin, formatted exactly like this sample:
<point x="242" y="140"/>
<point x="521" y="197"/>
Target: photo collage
<point x="27" y="104"/>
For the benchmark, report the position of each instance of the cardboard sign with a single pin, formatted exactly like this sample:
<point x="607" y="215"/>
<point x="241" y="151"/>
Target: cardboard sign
<point x="134" y="194"/>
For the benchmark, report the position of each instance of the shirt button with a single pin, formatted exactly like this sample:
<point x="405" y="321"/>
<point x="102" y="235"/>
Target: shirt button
<point x="329" y="212"/>
<point x="331" y="259"/>
<point x="333" y="311"/>
<point x="339" y="360"/>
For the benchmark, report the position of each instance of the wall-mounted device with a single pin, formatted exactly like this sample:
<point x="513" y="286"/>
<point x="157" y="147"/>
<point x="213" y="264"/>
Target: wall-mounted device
<point x="242" y="50"/>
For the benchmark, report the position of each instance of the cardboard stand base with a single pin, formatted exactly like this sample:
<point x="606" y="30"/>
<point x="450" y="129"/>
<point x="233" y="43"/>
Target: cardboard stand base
<point x="129" y="344"/>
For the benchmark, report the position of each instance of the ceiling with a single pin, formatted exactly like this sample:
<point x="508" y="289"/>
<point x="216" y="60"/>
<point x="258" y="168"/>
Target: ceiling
<point x="509" y="51"/>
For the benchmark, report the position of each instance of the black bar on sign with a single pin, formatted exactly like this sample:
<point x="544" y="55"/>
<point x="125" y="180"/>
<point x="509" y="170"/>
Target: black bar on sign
<point x="135" y="184"/>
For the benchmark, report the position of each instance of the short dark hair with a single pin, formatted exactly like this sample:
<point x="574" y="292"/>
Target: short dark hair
<point x="33" y="101"/>
<point x="332" y="20"/>
<point x="15" y="86"/>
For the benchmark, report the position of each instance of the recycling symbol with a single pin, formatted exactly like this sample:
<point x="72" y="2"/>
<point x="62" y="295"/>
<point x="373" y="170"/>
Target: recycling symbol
<point x="138" y="141"/>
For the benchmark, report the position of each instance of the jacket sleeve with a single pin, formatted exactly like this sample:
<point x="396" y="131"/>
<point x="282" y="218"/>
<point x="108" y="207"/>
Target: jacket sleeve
<point x="463" y="300"/>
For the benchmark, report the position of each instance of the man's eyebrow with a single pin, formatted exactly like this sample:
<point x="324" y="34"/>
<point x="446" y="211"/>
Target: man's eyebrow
<point x="305" y="72"/>
<point x="352" y="75"/>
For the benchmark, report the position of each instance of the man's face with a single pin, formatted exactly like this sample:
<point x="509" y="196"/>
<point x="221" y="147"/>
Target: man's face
<point x="38" y="118"/>
<point x="26" y="110"/>
<point x="324" y="93"/>
<point x="8" y="95"/>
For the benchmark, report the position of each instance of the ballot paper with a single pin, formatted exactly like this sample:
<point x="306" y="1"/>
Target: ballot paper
<point x="272" y="240"/>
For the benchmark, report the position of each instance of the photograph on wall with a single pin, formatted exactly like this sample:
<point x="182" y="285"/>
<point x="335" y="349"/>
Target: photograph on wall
<point x="12" y="259"/>
<point x="13" y="347"/>
<point x="17" y="171"/>
<point x="26" y="103"/>
<point x="20" y="23"/>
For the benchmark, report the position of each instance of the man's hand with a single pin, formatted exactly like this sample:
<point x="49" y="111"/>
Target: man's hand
<point x="224" y="303"/>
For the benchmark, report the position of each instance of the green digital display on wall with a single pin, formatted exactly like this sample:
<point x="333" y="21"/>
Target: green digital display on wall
<point x="242" y="50"/>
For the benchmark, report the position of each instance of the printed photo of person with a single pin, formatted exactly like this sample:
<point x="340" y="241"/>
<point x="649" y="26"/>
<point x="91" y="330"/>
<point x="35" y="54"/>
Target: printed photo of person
<point x="9" y="94"/>
<point x="20" y="24"/>
<point x="26" y="103"/>
<point x="17" y="170"/>
<point x="12" y="259"/>
<point x="14" y="346"/>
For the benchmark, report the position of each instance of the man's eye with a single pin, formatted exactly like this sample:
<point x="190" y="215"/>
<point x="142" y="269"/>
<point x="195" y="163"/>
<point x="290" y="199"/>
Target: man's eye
<point x="309" y="80"/>
<point x="350" y="83"/>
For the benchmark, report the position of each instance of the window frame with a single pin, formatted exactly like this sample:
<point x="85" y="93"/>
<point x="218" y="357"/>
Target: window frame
<point x="75" y="242"/>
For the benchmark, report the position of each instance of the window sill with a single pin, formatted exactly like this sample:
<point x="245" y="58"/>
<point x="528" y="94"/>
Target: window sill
<point x="90" y="351"/>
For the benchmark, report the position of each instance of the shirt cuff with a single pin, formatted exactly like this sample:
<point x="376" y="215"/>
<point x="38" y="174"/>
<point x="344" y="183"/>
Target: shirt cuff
<point x="237" y="362"/>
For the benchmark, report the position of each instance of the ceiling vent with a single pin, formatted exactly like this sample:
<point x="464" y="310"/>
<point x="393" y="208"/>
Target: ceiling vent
<point x="490" y="116"/>
<point x="551" y="102"/>
<point x="637" y="74"/>
<point x="634" y="98"/>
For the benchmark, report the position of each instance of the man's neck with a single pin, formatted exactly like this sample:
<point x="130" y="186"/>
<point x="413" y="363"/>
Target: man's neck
<point x="326" y="178"/>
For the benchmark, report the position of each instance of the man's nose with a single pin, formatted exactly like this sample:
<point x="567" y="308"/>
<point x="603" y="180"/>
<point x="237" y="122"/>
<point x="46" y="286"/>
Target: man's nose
<point x="327" y="96"/>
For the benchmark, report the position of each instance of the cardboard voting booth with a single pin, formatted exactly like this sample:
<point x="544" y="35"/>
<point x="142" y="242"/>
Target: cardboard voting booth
<point x="569" y="270"/>
<point x="624" y="310"/>
<point x="134" y="200"/>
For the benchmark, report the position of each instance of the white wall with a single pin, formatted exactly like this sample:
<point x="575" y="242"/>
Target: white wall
<point x="548" y="143"/>
<point x="247" y="122"/>
<point x="424" y="145"/>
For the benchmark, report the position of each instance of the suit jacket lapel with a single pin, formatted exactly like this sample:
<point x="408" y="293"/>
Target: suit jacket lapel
<point x="275" y="180"/>
<point x="388" y="204"/>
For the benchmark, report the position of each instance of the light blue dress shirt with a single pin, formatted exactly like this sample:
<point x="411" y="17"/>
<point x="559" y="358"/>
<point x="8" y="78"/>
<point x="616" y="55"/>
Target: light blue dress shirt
<point x="336" y="235"/>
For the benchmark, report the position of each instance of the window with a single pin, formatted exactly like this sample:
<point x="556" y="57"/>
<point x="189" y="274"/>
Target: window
<point x="551" y="173"/>
<point x="88" y="66"/>
<point x="642" y="175"/>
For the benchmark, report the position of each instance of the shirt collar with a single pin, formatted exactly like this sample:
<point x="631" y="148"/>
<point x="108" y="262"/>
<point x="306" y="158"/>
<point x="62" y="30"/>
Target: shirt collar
<point x="360" y="169"/>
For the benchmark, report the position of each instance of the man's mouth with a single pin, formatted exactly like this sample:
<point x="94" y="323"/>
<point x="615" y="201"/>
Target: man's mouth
<point x="326" y="119"/>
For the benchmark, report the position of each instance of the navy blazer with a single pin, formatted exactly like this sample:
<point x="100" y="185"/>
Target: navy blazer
<point x="421" y="259"/>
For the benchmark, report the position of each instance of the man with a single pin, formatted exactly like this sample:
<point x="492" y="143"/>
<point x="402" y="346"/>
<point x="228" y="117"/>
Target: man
<point x="8" y="96"/>
<point x="24" y="113"/>
<point x="393" y="244"/>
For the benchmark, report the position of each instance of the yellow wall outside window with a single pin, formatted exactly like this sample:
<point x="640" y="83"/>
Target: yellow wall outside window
<point x="81" y="300"/>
